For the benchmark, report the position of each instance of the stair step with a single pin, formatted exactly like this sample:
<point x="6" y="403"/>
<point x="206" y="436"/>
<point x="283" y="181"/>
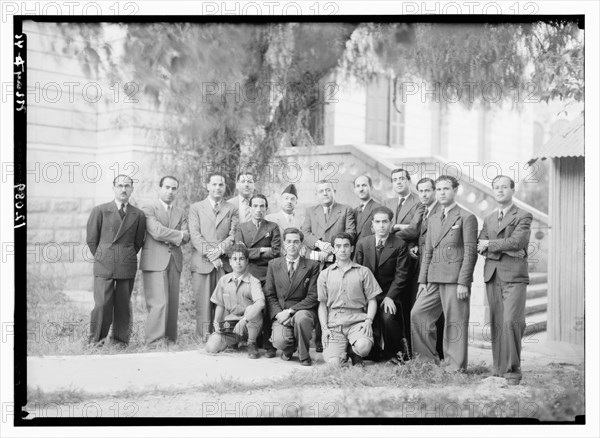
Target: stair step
<point x="538" y="277"/>
<point x="536" y="323"/>
<point x="537" y="291"/>
<point x="536" y="305"/>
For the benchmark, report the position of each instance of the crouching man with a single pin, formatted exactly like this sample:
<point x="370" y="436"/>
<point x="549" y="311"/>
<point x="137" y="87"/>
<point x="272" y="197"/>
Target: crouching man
<point x="347" y="295"/>
<point x="240" y="302"/>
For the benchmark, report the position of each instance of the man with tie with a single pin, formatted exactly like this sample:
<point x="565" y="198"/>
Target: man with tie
<point x="426" y="190"/>
<point x="347" y="294"/>
<point x="364" y="212"/>
<point x="263" y="241"/>
<point x="115" y="234"/>
<point x="162" y="261"/>
<point x="291" y="293"/>
<point x="245" y="188"/>
<point x="212" y="224"/>
<point x="386" y="256"/>
<point x="321" y="223"/>
<point x="288" y="217"/>
<point x="408" y="213"/>
<point x="503" y="241"/>
<point x="445" y="279"/>
<point x="240" y="302"/>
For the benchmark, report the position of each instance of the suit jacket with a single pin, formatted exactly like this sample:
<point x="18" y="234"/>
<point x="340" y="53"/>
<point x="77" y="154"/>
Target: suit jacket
<point x="424" y="226"/>
<point x="507" y="250"/>
<point x="299" y="294"/>
<point x="266" y="236"/>
<point x="280" y="219"/>
<point x="364" y="219"/>
<point x="163" y="237"/>
<point x="450" y="249"/>
<point x="115" y="242"/>
<point x="315" y="227"/>
<point x="411" y="214"/>
<point x="208" y="231"/>
<point x="392" y="270"/>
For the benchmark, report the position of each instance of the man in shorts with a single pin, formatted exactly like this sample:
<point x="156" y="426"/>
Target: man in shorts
<point x="347" y="295"/>
<point x="240" y="302"/>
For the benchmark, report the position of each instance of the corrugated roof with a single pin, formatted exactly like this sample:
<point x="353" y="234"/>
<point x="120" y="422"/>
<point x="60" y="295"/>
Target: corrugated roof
<point x="569" y="143"/>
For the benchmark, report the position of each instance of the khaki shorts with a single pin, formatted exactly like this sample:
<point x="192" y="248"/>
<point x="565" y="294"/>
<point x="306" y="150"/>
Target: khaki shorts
<point x="345" y="329"/>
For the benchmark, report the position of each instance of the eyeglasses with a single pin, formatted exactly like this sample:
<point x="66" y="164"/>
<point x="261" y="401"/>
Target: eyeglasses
<point x="126" y="186"/>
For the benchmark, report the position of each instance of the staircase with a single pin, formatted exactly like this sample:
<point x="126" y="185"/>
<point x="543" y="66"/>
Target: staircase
<point x="537" y="303"/>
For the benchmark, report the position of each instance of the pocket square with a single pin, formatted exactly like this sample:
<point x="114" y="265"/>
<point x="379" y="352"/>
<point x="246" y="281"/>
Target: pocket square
<point x="454" y="227"/>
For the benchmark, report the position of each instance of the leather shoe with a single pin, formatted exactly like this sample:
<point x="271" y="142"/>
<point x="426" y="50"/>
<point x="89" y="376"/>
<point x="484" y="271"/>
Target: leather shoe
<point x="286" y="357"/>
<point x="319" y="348"/>
<point x="357" y="360"/>
<point x="513" y="381"/>
<point x="306" y="362"/>
<point x="252" y="350"/>
<point x="271" y="353"/>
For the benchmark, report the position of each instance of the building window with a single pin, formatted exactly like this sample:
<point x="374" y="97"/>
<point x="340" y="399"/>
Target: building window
<point x="384" y="119"/>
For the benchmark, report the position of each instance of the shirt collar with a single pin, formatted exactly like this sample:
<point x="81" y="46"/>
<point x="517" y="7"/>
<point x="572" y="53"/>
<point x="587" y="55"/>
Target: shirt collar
<point x="505" y="210"/>
<point x="450" y="207"/>
<point x="245" y="277"/>
<point x="165" y="205"/>
<point x="119" y="204"/>
<point x="377" y="239"/>
<point x="212" y="203"/>
<point x="431" y="207"/>
<point x="350" y="265"/>
<point x="243" y="200"/>
<point x="256" y="223"/>
<point x="330" y="206"/>
<point x="287" y="260"/>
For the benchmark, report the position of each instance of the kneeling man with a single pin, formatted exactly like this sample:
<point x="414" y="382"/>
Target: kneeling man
<point x="291" y="293"/>
<point x="347" y="295"/>
<point x="240" y="302"/>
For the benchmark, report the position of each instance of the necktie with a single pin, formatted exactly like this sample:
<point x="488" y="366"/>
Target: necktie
<point x="247" y="212"/>
<point x="327" y="214"/>
<point x="290" y="219"/>
<point x="399" y="208"/>
<point x="122" y="211"/>
<point x="443" y="216"/>
<point x="291" y="269"/>
<point x="362" y="207"/>
<point x="169" y="212"/>
<point x="379" y="249"/>
<point x="216" y="208"/>
<point x="500" y="217"/>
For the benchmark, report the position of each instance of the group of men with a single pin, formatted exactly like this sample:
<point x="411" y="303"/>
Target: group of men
<point x="381" y="281"/>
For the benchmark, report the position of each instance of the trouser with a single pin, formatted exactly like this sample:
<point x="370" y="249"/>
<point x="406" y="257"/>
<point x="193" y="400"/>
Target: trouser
<point x="203" y="286"/>
<point x="507" y="320"/>
<point x="408" y="298"/>
<point x="218" y="342"/>
<point x="161" y="289"/>
<point x="112" y="305"/>
<point x="438" y="298"/>
<point x="297" y="333"/>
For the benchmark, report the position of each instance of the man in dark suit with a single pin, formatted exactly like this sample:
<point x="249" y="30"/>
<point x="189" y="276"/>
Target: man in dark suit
<point x="445" y="279"/>
<point x="426" y="190"/>
<point x="321" y="223"/>
<point x="162" y="261"/>
<point x="263" y="241"/>
<point x="387" y="257"/>
<point x="212" y="224"/>
<point x="408" y="212"/>
<point x="291" y="294"/>
<point x="503" y="241"/>
<point x="115" y="234"/>
<point x="364" y="211"/>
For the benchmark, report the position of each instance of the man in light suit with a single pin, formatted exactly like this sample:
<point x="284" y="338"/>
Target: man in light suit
<point x="445" y="279"/>
<point x="115" y="234"/>
<point x="386" y="256"/>
<point x="162" y="261"/>
<point x="263" y="241"/>
<point x="408" y="212"/>
<point x="503" y="241"/>
<point x="212" y="225"/>
<point x="245" y="188"/>
<point x="291" y="293"/>
<point x="364" y="211"/>
<point x="321" y="224"/>
<point x="426" y="190"/>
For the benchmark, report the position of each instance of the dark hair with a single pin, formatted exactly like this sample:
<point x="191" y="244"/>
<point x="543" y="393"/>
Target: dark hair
<point x="210" y="175"/>
<point x="448" y="178"/>
<point x="368" y="179"/>
<point x="245" y="172"/>
<point x="512" y="183"/>
<point x="292" y="230"/>
<point x="238" y="247"/>
<point x="424" y="180"/>
<point x="385" y="210"/>
<point x="400" y="170"/>
<point x="162" y="180"/>
<point x="260" y="196"/>
<point x="343" y="236"/>
<point x="121" y="175"/>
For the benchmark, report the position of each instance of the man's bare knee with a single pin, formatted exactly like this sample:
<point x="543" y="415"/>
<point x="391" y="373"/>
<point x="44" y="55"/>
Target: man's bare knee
<point x="362" y="347"/>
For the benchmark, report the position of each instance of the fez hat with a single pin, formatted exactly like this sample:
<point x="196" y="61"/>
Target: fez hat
<point x="291" y="189"/>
